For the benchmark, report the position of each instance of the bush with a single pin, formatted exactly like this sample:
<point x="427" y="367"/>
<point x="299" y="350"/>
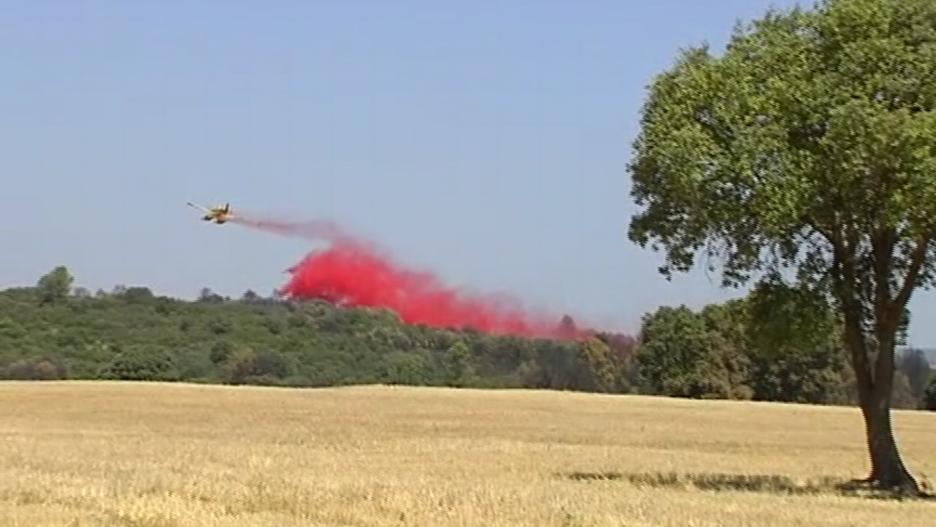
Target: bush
<point x="147" y="363"/>
<point x="265" y="367"/>
<point x="195" y="365"/>
<point x="272" y="363"/>
<point x="221" y="351"/>
<point x="405" y="368"/>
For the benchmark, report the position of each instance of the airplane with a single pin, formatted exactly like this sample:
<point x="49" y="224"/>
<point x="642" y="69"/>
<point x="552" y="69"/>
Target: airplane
<point x="219" y="214"/>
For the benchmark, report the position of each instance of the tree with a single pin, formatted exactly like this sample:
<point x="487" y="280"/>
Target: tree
<point x="143" y="363"/>
<point x="796" y="346"/>
<point x="208" y="296"/>
<point x="273" y="364"/>
<point x="137" y="295"/>
<point x="681" y="355"/>
<point x="221" y="351"/>
<point x="806" y="151"/>
<point x="55" y="285"/>
<point x="250" y="296"/>
<point x="605" y="372"/>
<point x="401" y="367"/>
<point x="460" y="364"/>
<point x="729" y="348"/>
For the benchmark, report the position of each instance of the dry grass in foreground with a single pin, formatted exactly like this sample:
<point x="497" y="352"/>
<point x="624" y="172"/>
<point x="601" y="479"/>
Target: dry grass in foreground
<point x="94" y="453"/>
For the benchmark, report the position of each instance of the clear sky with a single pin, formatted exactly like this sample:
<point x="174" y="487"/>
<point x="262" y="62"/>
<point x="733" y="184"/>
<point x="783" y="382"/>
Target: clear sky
<point x="486" y="141"/>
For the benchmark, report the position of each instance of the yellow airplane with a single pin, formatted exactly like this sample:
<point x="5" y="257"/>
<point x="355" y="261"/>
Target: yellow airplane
<point x="219" y="214"/>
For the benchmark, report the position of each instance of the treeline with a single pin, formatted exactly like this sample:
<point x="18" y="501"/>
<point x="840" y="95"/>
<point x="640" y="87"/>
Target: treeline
<point x="777" y="344"/>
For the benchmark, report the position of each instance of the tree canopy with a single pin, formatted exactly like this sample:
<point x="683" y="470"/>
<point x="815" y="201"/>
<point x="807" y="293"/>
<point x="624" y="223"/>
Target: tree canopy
<point x="55" y="285"/>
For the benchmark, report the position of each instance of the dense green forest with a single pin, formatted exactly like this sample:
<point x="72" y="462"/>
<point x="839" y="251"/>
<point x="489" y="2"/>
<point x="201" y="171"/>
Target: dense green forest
<point x="776" y="344"/>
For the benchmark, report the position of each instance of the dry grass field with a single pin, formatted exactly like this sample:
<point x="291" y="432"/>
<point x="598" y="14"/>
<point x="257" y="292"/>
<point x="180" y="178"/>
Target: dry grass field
<point x="94" y="453"/>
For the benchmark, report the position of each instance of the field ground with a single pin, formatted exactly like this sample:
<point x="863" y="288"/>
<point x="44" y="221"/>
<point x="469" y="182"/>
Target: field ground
<point x="95" y="453"/>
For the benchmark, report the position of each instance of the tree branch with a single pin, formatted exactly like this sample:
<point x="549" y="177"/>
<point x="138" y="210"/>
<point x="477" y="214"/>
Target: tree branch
<point x="917" y="258"/>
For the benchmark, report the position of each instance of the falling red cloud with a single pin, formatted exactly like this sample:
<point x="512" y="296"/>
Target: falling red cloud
<point x="349" y="272"/>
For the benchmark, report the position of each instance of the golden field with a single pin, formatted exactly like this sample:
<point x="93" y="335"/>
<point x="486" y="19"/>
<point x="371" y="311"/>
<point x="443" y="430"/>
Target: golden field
<point x="97" y="453"/>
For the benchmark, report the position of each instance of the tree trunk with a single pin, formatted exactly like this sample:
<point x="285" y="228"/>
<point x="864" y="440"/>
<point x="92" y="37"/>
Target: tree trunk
<point x="874" y="394"/>
<point x="887" y="467"/>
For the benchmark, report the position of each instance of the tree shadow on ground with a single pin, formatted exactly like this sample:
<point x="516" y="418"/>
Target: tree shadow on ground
<point x="766" y="483"/>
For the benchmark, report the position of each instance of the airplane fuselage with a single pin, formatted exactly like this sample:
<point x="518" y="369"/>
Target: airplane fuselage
<point x="219" y="215"/>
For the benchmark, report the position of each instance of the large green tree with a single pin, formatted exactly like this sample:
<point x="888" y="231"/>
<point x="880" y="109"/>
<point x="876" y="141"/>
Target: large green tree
<point x="688" y="354"/>
<point x="795" y="342"/>
<point x="806" y="150"/>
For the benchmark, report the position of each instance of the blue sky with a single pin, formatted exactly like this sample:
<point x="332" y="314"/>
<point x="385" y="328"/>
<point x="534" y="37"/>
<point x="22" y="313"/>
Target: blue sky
<point x="485" y="141"/>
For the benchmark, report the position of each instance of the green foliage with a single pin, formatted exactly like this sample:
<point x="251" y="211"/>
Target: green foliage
<point x="406" y="368"/>
<point x="131" y="333"/>
<point x="559" y="365"/>
<point x="273" y="364"/>
<point x="796" y="346"/>
<point x="683" y="353"/>
<point x="55" y="285"/>
<point x="141" y="363"/>
<point x="221" y="351"/>
<point x="809" y="125"/>
<point x="137" y="295"/>
<point x="766" y="347"/>
<point x="195" y="365"/>
<point x="459" y="364"/>
<point x="605" y="371"/>
<point x="264" y="367"/>
<point x="777" y="344"/>
<point x="730" y="352"/>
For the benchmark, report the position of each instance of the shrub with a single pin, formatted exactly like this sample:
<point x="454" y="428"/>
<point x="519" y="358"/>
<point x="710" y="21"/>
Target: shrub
<point x="405" y="368"/>
<point x="265" y="367"/>
<point x="221" y="351"/>
<point x="146" y="363"/>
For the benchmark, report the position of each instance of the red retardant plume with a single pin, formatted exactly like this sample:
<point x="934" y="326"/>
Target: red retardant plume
<point x="349" y="274"/>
